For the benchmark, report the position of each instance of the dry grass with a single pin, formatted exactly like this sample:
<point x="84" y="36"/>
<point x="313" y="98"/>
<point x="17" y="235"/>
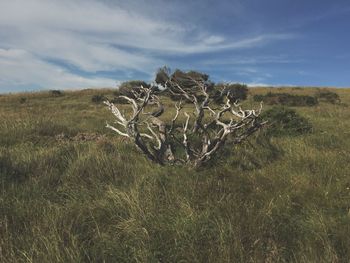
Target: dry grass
<point x="286" y="200"/>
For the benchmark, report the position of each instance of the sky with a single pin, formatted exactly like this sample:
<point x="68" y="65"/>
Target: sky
<point x="72" y="44"/>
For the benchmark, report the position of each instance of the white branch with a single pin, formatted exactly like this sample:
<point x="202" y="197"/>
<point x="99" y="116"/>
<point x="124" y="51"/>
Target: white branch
<point x="117" y="131"/>
<point x="116" y="112"/>
<point x="185" y="140"/>
<point x="155" y="136"/>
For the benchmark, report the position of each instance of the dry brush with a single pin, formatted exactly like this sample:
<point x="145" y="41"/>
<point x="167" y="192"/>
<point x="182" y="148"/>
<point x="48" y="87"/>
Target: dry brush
<point x="195" y="133"/>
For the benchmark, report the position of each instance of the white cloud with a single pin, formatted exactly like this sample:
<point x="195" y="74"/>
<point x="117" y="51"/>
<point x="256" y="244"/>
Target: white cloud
<point x="20" y="68"/>
<point x="94" y="36"/>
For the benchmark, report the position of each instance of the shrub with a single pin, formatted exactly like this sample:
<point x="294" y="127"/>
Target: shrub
<point x="234" y="91"/>
<point x="284" y="121"/>
<point x="162" y="75"/>
<point x="22" y="100"/>
<point x="128" y="88"/>
<point x="119" y="100"/>
<point x="286" y="99"/>
<point x="98" y="98"/>
<point x="328" y="96"/>
<point x="116" y="92"/>
<point x="176" y="97"/>
<point x="163" y="143"/>
<point x="187" y="80"/>
<point x="258" y="97"/>
<point x="56" y="93"/>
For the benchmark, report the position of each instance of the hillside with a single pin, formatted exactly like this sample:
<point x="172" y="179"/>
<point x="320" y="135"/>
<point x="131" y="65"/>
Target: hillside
<point x="73" y="191"/>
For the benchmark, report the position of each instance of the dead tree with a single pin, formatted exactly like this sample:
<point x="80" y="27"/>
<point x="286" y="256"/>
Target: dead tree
<point x="195" y="133"/>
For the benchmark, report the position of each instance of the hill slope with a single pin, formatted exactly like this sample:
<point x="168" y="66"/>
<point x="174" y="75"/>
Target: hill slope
<point x="72" y="191"/>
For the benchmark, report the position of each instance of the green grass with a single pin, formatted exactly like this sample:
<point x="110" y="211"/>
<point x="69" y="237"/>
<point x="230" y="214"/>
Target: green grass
<point x="100" y="200"/>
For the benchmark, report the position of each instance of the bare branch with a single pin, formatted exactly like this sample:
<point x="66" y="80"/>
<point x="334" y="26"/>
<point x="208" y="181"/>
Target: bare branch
<point x="178" y="107"/>
<point x="117" y="131"/>
<point x="185" y="140"/>
<point x="211" y="126"/>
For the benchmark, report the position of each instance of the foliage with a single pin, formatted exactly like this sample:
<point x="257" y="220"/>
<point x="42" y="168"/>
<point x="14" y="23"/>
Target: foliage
<point x="129" y="88"/>
<point x="235" y="91"/>
<point x="162" y="75"/>
<point x="187" y="80"/>
<point x="284" y="121"/>
<point x="205" y="128"/>
<point x="119" y="100"/>
<point x="98" y="98"/>
<point x="259" y="97"/>
<point x="286" y="99"/>
<point x="56" y="93"/>
<point x="328" y="96"/>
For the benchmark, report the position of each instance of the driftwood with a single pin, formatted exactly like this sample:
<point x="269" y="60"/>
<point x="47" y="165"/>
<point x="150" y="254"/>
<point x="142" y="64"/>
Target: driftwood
<point x="193" y="139"/>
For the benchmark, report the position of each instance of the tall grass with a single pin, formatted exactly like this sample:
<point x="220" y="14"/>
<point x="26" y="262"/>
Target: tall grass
<point x="283" y="200"/>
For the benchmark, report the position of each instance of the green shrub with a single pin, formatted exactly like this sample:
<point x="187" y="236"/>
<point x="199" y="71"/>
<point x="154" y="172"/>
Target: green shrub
<point x="328" y="96"/>
<point x="284" y="121"/>
<point x="119" y="100"/>
<point x="258" y="97"/>
<point x="286" y="99"/>
<point x="236" y="91"/>
<point x="128" y="88"/>
<point x="162" y="75"/>
<point x="187" y="80"/>
<point x="176" y="97"/>
<point x="56" y="93"/>
<point x="98" y="98"/>
<point x="116" y="92"/>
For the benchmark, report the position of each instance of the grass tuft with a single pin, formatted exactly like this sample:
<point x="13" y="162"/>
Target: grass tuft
<point x="85" y="197"/>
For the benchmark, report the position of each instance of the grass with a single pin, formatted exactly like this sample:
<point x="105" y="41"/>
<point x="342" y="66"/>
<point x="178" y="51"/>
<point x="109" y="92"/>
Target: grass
<point x="99" y="200"/>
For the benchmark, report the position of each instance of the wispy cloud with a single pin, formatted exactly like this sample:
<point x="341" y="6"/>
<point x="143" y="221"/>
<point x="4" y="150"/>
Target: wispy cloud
<point x="251" y="60"/>
<point x="21" y="69"/>
<point x="95" y="36"/>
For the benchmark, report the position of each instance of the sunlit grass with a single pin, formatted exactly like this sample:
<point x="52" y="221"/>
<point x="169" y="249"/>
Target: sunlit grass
<point x="100" y="200"/>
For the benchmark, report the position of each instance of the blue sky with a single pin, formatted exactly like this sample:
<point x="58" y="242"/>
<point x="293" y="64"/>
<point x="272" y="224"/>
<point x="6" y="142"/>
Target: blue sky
<point x="68" y="44"/>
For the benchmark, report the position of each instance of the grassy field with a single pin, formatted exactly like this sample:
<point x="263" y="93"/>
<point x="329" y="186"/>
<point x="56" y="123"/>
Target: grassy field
<point x="73" y="191"/>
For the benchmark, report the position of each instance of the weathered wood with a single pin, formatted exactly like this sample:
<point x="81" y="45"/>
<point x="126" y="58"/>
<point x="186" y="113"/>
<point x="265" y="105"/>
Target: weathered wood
<point x="199" y="143"/>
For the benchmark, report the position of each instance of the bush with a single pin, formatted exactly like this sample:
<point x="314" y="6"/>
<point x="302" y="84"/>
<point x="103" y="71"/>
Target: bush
<point x="286" y="99"/>
<point x="56" y="93"/>
<point x="162" y="75"/>
<point x="116" y="92"/>
<point x="98" y="98"/>
<point x="119" y="100"/>
<point x="328" y="96"/>
<point x="258" y="97"/>
<point x="176" y="97"/>
<point x="234" y="91"/>
<point x="128" y="88"/>
<point x="187" y="80"/>
<point x="22" y="100"/>
<point x="284" y="121"/>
